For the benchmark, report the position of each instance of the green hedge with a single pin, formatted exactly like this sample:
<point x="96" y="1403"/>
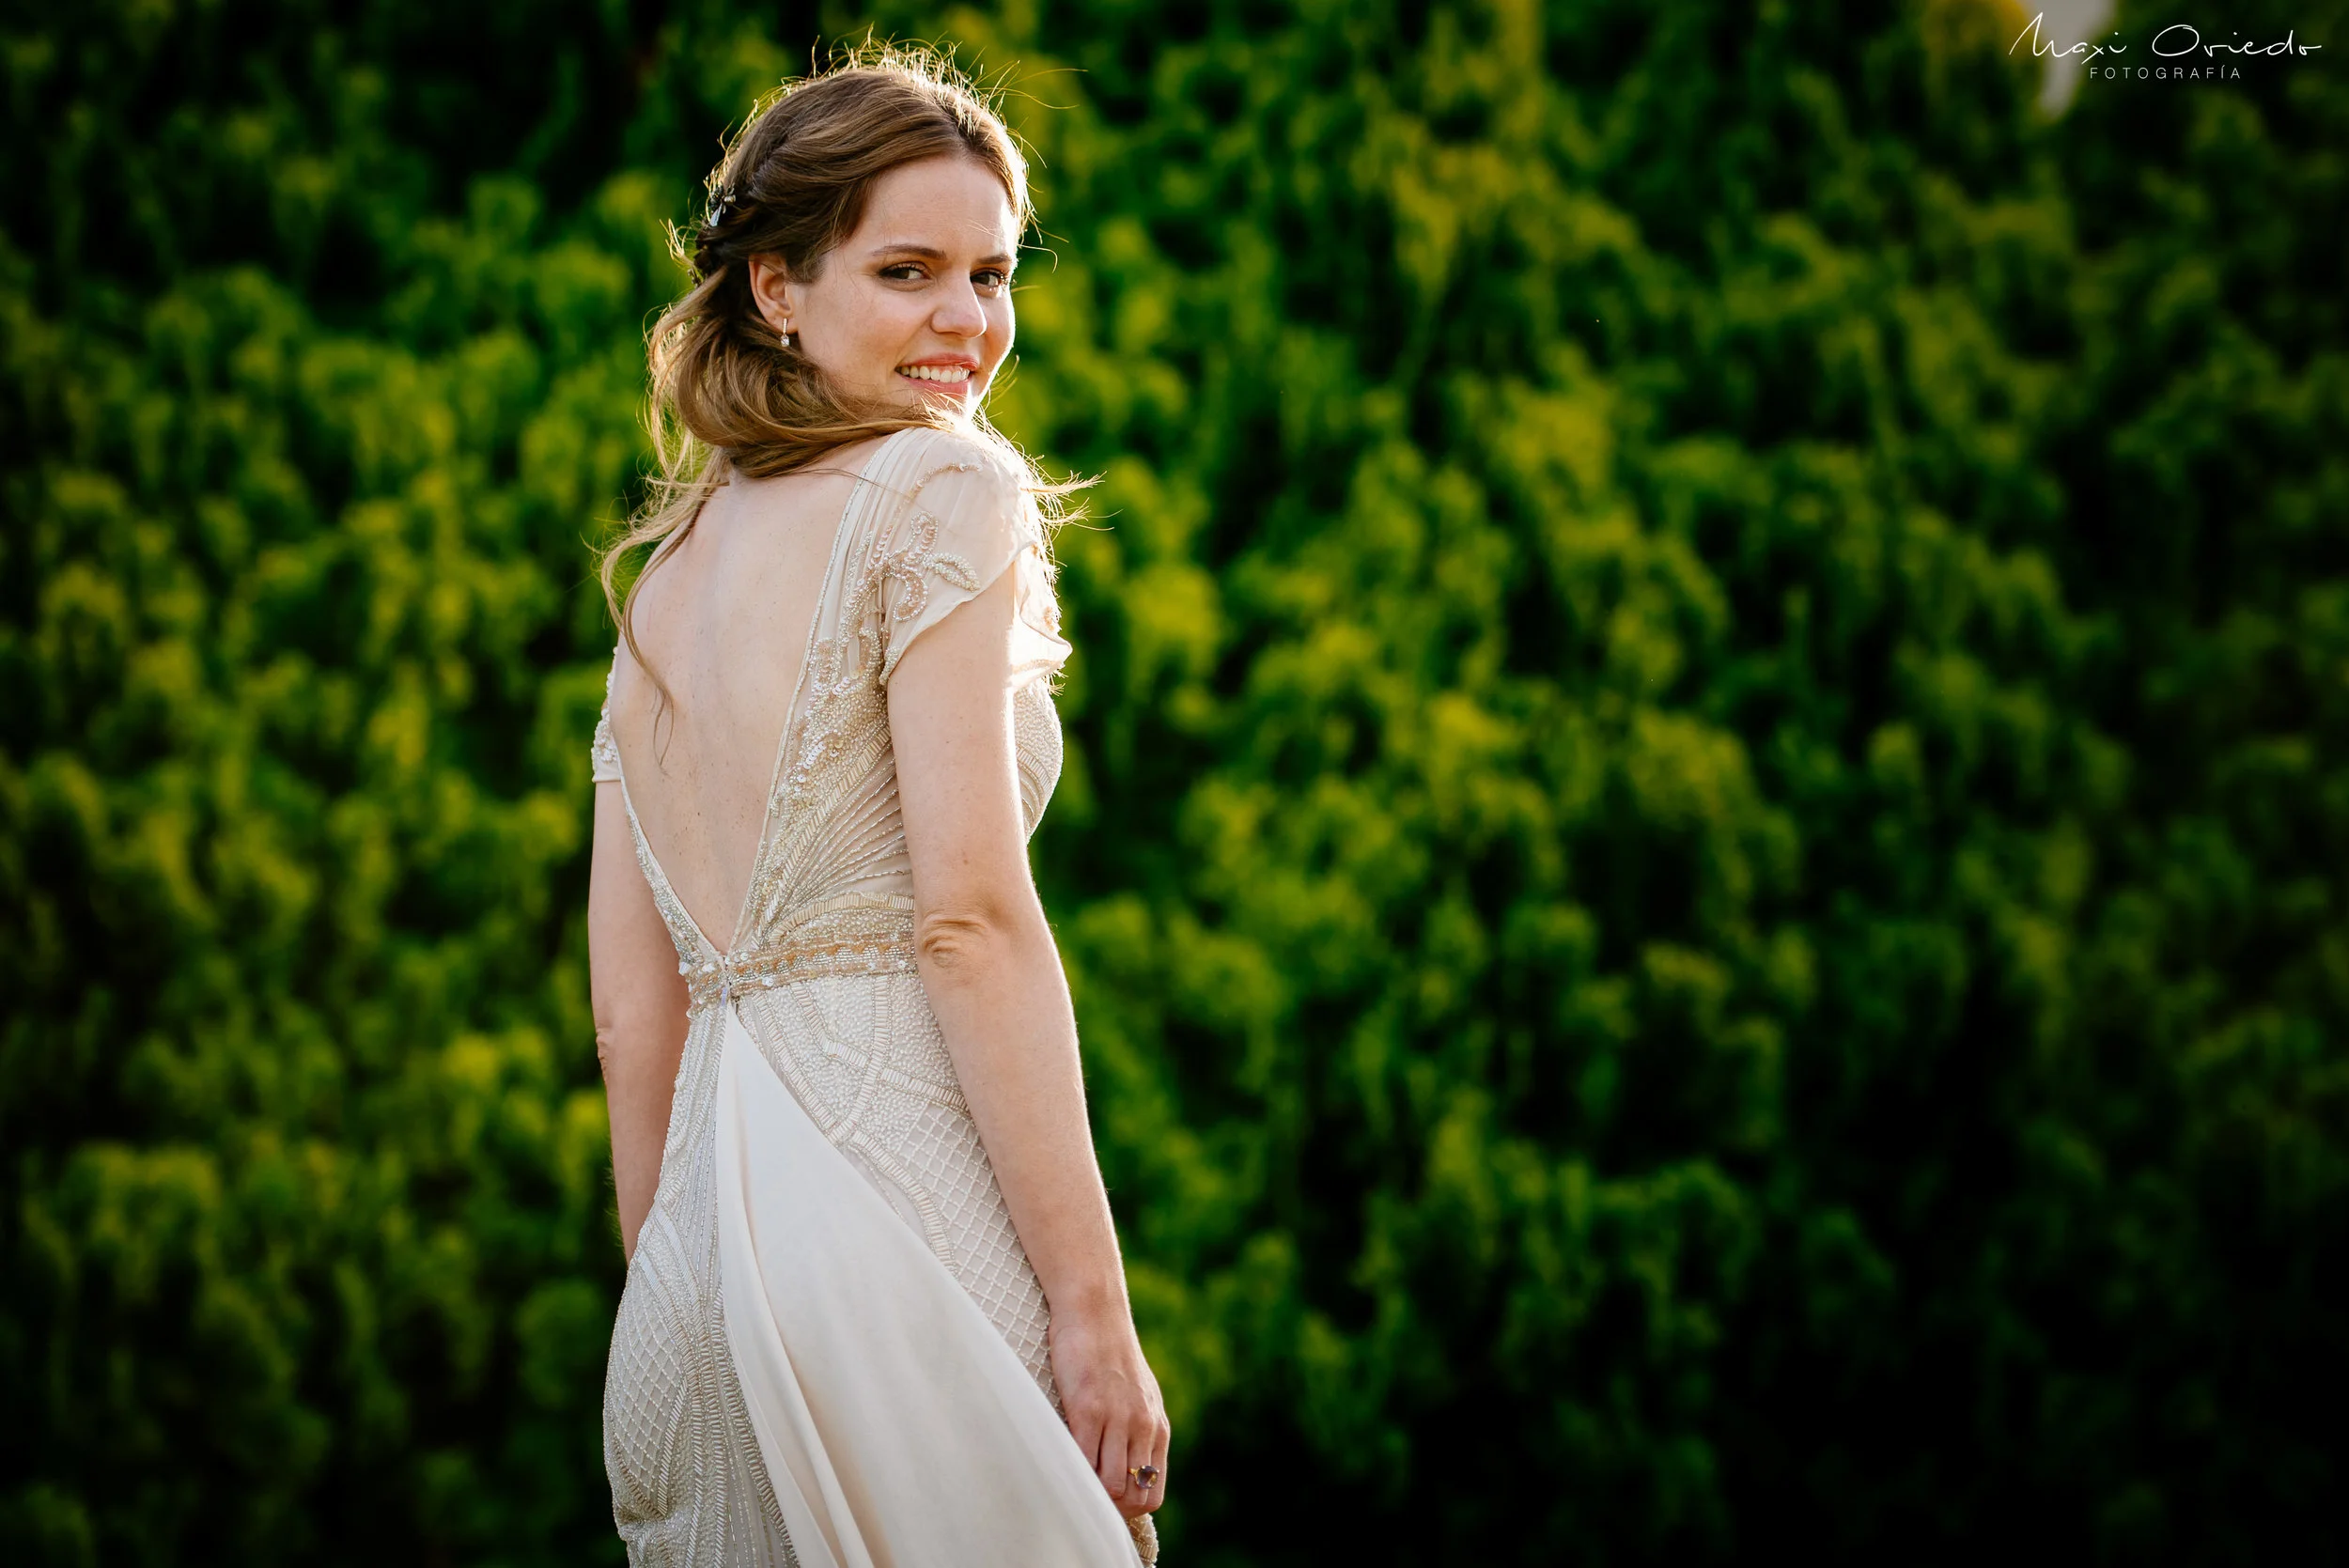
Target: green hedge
<point x="1702" y="843"/>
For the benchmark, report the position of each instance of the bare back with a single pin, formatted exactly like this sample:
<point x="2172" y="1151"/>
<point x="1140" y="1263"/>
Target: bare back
<point x="726" y="620"/>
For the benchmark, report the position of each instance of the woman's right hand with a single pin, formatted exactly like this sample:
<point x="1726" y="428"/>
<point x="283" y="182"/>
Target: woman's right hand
<point x="1111" y="1402"/>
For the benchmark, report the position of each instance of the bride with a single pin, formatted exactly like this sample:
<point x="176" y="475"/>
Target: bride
<point x="875" y="1313"/>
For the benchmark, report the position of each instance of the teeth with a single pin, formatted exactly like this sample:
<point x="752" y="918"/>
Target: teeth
<point x="936" y="372"/>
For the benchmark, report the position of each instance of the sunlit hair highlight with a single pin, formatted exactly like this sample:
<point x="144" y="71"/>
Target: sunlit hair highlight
<point x="725" y="395"/>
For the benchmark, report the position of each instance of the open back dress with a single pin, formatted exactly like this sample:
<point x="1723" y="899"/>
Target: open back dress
<point x="830" y="1351"/>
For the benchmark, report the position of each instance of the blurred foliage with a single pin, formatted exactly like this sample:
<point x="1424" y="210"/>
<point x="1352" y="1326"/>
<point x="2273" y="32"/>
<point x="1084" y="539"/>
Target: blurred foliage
<point x="1703" y="841"/>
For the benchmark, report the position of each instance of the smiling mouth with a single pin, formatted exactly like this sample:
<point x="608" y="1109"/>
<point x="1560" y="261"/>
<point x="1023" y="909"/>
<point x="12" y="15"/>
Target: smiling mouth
<point x="941" y="375"/>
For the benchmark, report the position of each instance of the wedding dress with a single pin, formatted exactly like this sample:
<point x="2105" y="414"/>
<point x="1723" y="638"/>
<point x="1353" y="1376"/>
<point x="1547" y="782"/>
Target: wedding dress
<point x="830" y="1351"/>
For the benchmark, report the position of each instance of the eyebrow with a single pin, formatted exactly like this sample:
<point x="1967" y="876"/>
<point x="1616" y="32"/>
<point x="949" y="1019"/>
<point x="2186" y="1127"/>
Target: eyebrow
<point x="931" y="253"/>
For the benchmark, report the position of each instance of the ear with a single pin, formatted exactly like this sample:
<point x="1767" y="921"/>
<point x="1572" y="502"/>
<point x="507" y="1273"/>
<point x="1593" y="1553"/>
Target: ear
<point x="776" y="296"/>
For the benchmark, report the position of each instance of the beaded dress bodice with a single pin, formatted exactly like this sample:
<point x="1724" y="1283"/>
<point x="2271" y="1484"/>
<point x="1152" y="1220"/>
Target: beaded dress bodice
<point x="821" y="969"/>
<point x="831" y="891"/>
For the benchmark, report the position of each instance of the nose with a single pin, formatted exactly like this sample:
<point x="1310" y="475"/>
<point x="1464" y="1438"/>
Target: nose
<point x="959" y="315"/>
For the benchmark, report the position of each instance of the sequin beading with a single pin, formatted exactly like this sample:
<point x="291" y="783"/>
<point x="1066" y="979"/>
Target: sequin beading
<point x="873" y="935"/>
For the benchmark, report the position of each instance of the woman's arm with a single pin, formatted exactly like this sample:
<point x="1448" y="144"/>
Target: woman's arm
<point x="639" y="1001"/>
<point x="994" y="980"/>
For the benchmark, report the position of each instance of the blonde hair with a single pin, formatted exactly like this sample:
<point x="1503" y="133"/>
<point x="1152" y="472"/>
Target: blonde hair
<point x="724" y="393"/>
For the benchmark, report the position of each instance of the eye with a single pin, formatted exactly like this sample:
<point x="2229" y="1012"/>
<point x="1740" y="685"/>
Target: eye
<point x="903" y="272"/>
<point x="992" y="277"/>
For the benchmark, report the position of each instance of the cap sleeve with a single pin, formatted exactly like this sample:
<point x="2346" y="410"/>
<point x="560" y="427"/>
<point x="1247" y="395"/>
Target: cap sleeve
<point x="967" y="518"/>
<point x="603" y="754"/>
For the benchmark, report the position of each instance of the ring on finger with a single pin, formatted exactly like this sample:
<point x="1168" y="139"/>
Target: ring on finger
<point x="1147" y="1475"/>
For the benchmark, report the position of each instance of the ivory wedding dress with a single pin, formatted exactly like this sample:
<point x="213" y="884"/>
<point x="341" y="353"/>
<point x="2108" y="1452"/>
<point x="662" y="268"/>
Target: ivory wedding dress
<point x="830" y="1351"/>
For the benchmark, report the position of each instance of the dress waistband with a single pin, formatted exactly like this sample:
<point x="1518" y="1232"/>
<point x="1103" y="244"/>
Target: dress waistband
<point x="863" y="937"/>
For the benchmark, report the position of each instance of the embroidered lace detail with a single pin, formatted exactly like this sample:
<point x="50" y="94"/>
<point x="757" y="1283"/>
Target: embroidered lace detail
<point x="861" y="935"/>
<point x="687" y="1484"/>
<point x="604" y="755"/>
<point x="844" y="694"/>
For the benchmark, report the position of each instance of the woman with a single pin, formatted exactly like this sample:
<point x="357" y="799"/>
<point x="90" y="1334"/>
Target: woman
<point x="875" y="1313"/>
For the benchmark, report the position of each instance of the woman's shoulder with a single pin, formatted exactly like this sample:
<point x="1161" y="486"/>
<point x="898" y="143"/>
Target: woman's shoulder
<point x="933" y="450"/>
<point x="965" y="475"/>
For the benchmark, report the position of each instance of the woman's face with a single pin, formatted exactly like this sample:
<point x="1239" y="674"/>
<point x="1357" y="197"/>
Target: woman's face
<point x="915" y="305"/>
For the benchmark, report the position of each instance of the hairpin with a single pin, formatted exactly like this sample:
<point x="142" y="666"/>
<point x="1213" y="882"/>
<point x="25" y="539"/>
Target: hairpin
<point x="721" y="206"/>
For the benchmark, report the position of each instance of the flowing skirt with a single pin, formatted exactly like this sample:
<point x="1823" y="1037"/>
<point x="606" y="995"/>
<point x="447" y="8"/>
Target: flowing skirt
<point x="828" y="1353"/>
